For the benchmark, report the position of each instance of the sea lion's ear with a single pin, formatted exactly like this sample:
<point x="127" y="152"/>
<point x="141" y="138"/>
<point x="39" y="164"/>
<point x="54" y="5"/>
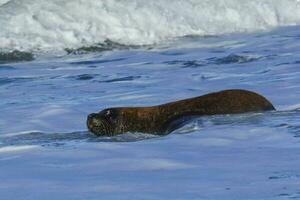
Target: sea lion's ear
<point x="111" y="114"/>
<point x="108" y="112"/>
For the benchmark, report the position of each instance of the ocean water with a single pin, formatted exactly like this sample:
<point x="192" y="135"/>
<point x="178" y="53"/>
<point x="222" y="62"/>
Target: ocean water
<point x="61" y="60"/>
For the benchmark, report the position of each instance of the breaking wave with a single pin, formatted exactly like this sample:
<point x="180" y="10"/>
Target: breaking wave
<point x="43" y="25"/>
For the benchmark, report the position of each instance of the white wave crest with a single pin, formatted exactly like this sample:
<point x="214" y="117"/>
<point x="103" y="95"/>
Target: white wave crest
<point x="59" y="24"/>
<point x="10" y="149"/>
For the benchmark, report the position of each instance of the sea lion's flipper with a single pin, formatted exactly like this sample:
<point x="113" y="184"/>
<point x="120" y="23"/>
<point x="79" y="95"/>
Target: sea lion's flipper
<point x="177" y="123"/>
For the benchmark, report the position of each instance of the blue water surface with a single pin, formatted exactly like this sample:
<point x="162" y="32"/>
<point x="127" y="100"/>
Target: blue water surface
<point x="46" y="151"/>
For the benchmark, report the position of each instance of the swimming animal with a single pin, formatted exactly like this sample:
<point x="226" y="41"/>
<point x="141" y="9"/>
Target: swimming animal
<point x="163" y="119"/>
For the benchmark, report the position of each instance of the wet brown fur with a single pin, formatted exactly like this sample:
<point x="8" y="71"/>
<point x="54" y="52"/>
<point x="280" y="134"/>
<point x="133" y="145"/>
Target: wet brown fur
<point x="158" y="119"/>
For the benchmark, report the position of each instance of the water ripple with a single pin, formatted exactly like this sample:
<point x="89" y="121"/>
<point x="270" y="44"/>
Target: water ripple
<point x="60" y="139"/>
<point x="6" y="67"/>
<point x="6" y="80"/>
<point x="83" y="77"/>
<point x="230" y="59"/>
<point x="234" y="58"/>
<point x="93" y="62"/>
<point x="187" y="63"/>
<point x="121" y="79"/>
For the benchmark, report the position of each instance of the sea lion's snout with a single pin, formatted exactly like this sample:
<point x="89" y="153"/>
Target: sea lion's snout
<point x="89" y="120"/>
<point x="95" y="124"/>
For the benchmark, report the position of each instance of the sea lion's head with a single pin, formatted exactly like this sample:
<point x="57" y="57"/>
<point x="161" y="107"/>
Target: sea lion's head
<point x="104" y="123"/>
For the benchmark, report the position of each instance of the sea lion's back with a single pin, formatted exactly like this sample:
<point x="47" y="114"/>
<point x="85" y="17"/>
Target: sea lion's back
<point x="236" y="101"/>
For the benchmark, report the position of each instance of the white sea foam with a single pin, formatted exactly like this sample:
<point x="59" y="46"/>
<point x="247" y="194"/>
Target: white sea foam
<point x="10" y="149"/>
<point x="18" y="133"/>
<point x="59" y="24"/>
<point x="3" y="2"/>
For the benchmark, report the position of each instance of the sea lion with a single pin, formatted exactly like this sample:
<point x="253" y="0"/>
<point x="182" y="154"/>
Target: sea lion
<point x="164" y="118"/>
